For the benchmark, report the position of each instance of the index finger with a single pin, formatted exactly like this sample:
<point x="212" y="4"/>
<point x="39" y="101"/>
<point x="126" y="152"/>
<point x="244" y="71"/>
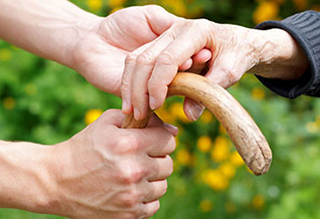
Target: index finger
<point x="175" y="54"/>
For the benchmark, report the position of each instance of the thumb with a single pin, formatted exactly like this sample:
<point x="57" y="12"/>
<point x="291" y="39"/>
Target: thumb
<point x="112" y="117"/>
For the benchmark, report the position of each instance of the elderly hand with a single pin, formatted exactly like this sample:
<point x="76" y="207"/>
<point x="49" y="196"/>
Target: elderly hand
<point x="235" y="50"/>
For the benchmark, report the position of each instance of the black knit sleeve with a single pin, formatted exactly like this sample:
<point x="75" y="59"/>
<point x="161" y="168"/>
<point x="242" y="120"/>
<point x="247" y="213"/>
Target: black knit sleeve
<point x="305" y="28"/>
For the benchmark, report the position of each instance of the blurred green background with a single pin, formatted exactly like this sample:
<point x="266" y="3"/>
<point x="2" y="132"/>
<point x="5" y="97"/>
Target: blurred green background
<point x="42" y="101"/>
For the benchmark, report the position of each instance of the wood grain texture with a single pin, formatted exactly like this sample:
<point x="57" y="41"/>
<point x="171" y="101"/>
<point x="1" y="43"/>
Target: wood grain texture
<point x="245" y="134"/>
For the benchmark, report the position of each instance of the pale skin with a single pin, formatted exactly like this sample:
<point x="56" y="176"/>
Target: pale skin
<point x="234" y="50"/>
<point x="46" y="179"/>
<point x="103" y="171"/>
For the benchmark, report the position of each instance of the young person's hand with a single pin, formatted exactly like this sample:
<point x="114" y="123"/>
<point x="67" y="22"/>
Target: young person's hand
<point x="102" y="172"/>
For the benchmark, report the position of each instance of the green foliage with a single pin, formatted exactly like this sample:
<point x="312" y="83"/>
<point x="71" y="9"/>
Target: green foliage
<point x="44" y="102"/>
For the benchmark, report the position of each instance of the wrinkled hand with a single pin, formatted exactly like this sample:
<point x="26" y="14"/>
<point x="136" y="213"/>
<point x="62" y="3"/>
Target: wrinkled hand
<point x="233" y="51"/>
<point x="109" y="172"/>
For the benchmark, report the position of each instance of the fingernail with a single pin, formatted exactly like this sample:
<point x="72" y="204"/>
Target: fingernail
<point x="172" y="129"/>
<point x="152" y="103"/>
<point x="195" y="111"/>
<point x="136" y="114"/>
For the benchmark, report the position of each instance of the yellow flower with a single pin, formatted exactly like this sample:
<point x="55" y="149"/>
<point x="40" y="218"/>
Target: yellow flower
<point x="313" y="127"/>
<point x="94" y="5"/>
<point x="258" y="202"/>
<point x="5" y="55"/>
<point x="206" y="117"/>
<point x="176" y="111"/>
<point x="228" y="169"/>
<point x="221" y="149"/>
<point x="215" y="179"/>
<point x="184" y="157"/>
<point x="92" y="115"/>
<point x="9" y="103"/>
<point x="258" y="93"/>
<point x="236" y="159"/>
<point x="204" y="144"/>
<point x="300" y="5"/>
<point x="266" y="10"/>
<point x="116" y="3"/>
<point x="205" y="205"/>
<point x="31" y="89"/>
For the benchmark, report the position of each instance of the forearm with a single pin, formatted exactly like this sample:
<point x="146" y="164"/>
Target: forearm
<point x="47" y="28"/>
<point x="25" y="181"/>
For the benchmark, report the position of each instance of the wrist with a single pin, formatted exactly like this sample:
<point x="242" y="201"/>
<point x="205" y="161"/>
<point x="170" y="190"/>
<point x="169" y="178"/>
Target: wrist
<point x="278" y="56"/>
<point x="26" y="179"/>
<point x="83" y="25"/>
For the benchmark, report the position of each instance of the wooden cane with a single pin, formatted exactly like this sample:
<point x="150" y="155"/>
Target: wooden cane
<point x="245" y="134"/>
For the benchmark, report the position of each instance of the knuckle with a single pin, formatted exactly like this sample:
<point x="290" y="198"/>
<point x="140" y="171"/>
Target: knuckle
<point x="204" y="23"/>
<point x="166" y="58"/>
<point x="131" y="199"/>
<point x="153" y="8"/>
<point x="128" y="145"/>
<point x="131" y="58"/>
<point x="125" y="87"/>
<point x="145" y="58"/>
<point x="130" y="173"/>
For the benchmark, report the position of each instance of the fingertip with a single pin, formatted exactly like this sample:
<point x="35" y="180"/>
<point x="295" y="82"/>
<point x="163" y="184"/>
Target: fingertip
<point x="186" y="65"/>
<point x="152" y="208"/>
<point x="126" y="107"/>
<point x="202" y="56"/>
<point x="157" y="95"/>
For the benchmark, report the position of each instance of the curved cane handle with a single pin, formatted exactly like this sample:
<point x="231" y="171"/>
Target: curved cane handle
<point x="245" y="134"/>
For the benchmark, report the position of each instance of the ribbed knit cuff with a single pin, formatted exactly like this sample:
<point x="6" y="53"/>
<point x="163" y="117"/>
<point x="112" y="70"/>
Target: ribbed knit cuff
<point x="305" y="29"/>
